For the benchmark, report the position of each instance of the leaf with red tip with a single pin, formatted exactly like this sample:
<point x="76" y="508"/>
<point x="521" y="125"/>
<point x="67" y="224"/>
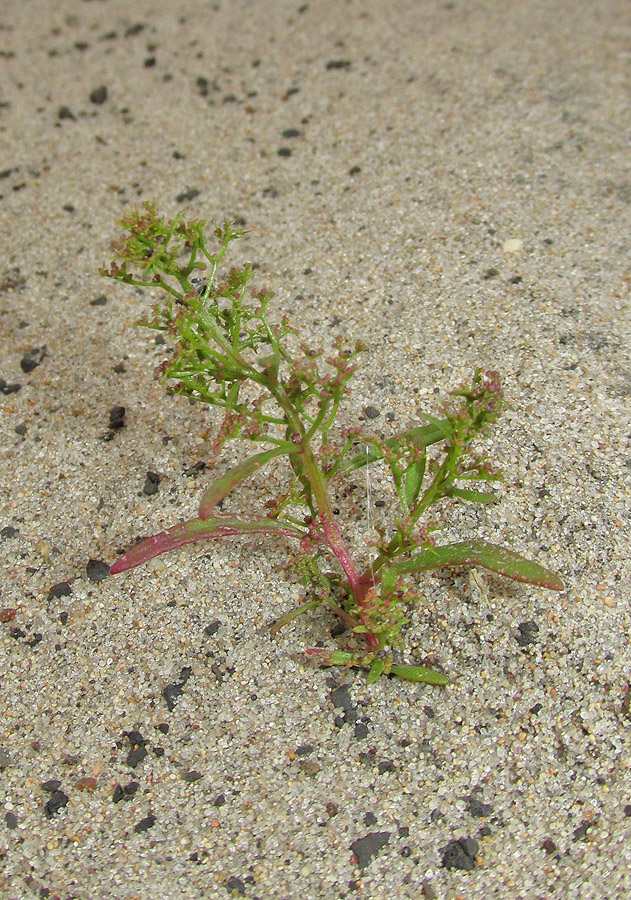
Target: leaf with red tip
<point x="198" y="530"/>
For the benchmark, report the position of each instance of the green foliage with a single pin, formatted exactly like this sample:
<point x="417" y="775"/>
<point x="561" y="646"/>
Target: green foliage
<point x="274" y="390"/>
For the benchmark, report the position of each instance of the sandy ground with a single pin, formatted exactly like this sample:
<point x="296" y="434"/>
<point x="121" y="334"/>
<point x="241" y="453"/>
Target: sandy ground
<point x="450" y="182"/>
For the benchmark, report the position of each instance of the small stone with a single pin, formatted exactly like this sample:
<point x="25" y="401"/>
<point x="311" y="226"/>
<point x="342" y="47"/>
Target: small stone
<point x="367" y="847"/>
<point x="136" y="756"/>
<point x="11" y="821"/>
<point x="117" y="417"/>
<point x="192" y="776"/>
<point x="99" y="95"/>
<point x="8" y="614"/>
<point x="62" y="589"/>
<point x="9" y="532"/>
<point x="235" y="884"/>
<point x="360" y="731"/>
<point x="513" y="245"/>
<point x="57" y="801"/>
<point x="549" y="846"/>
<point x="97" y="570"/>
<point x="371" y="412"/>
<point x="338" y="64"/>
<point x="145" y="824"/>
<point x="152" y="483"/>
<point x="86" y="783"/>
<point x="51" y="786"/>
<point x="478" y="809"/>
<point x="310" y="767"/>
<point x="460" y="854"/>
<point x="118" y="794"/>
<point x="627" y="810"/>
<point x="101" y="300"/>
<point x="64" y="112"/>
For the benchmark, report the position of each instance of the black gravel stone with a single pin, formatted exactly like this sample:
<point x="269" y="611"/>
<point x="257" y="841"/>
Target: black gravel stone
<point x="97" y="570"/>
<point x="367" y="847"/>
<point x="291" y="133"/>
<point x="9" y="532"/>
<point x="192" y="776"/>
<point x="28" y="363"/>
<point x="62" y="589"/>
<point x="176" y="689"/>
<point x="51" y="786"/>
<point x="361" y="731"/>
<point x="338" y="64"/>
<point x="187" y="195"/>
<point x="479" y="809"/>
<point x="152" y="483"/>
<point x="136" y="756"/>
<point x="101" y="300"/>
<point x="9" y="388"/>
<point x="57" y="801"/>
<point x="11" y="820"/>
<point x="528" y="632"/>
<point x="118" y="794"/>
<point x="460" y="854"/>
<point x="145" y="824"/>
<point x="213" y="628"/>
<point x="117" y="417"/>
<point x="371" y="412"/>
<point x="341" y="698"/>
<point x="65" y="112"/>
<point x="99" y="95"/>
<point x="627" y="810"/>
<point x="235" y="884"/>
<point x="195" y="469"/>
<point x="386" y="765"/>
<point x="219" y="800"/>
<point x="370" y="819"/>
<point x="163" y="727"/>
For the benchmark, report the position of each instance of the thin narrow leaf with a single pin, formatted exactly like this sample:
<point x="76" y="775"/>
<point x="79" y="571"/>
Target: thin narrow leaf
<point x="292" y="614"/>
<point x="471" y="496"/>
<point x="480" y="553"/>
<point x="413" y="481"/>
<point x="198" y="530"/>
<point x="376" y="670"/>
<point x="422" y="435"/>
<point x="419" y="673"/>
<point x="222" y="486"/>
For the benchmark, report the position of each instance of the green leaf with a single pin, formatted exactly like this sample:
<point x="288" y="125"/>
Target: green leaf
<point x="480" y="553"/>
<point x="198" y="530"/>
<point x="419" y="673"/>
<point x="421" y="435"/>
<point x="413" y="481"/>
<point x="471" y="496"/>
<point x="376" y="670"/>
<point x="222" y="486"/>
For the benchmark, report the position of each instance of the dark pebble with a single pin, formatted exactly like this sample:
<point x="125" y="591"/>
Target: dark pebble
<point x="490" y="273"/>
<point x="338" y="64"/>
<point x="192" y="776"/>
<point x="304" y="749"/>
<point x="28" y="363"/>
<point x="117" y="417"/>
<point x="185" y="196"/>
<point x="9" y="532"/>
<point x="528" y="632"/>
<point x="361" y="731"/>
<point x="57" y="801"/>
<point x="163" y="727"/>
<point x="62" y="589"/>
<point x="12" y="821"/>
<point x="219" y="800"/>
<point x="99" y="95"/>
<point x="367" y="847"/>
<point x="65" y="112"/>
<point x="97" y="570"/>
<point x="213" y="628"/>
<point x="370" y="819"/>
<point x="385" y="765"/>
<point x="17" y="633"/>
<point x="627" y="810"/>
<point x="235" y="884"/>
<point x="195" y="469"/>
<point x="131" y="789"/>
<point x="171" y="694"/>
<point x="341" y="697"/>
<point x="145" y="824"/>
<point x="355" y="170"/>
<point x="290" y="133"/>
<point x="284" y="151"/>
<point x="478" y="809"/>
<point x="152" y="483"/>
<point x="101" y="300"/>
<point x="371" y="412"/>
<point x="51" y="786"/>
<point x="580" y="832"/>
<point x="9" y="388"/>
<point x="549" y="846"/>
<point x="460" y="854"/>
<point x="136" y="756"/>
<point x="118" y="794"/>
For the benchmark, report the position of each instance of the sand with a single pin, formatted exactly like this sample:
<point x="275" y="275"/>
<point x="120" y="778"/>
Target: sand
<point x="449" y="182"/>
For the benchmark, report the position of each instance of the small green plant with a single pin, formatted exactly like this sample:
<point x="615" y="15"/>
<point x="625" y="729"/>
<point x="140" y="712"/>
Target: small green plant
<point x="284" y="395"/>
